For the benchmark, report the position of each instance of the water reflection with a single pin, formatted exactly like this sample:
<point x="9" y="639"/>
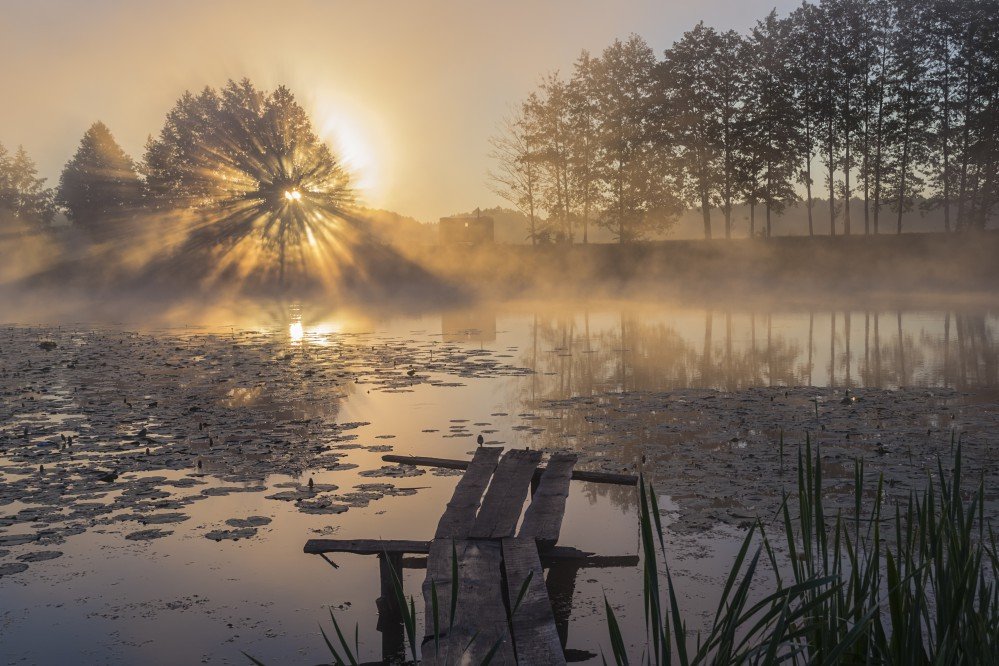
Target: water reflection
<point x="477" y="325"/>
<point x="589" y="352"/>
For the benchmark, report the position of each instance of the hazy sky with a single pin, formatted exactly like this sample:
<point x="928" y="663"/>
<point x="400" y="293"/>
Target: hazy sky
<point x="411" y="90"/>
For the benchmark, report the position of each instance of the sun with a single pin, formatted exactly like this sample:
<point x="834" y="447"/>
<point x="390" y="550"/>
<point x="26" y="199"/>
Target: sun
<point x="355" y="142"/>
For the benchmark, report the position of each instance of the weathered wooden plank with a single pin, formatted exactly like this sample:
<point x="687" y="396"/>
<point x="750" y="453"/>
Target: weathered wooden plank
<point x="365" y="546"/>
<point x="504" y="500"/>
<point x="459" y="516"/>
<point x="577" y="474"/>
<point x="535" y="636"/>
<point x="480" y="612"/>
<point x="543" y="518"/>
<point x="439" y="576"/>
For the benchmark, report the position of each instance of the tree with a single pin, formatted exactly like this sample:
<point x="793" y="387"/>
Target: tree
<point x="880" y="124"/>
<point x="22" y="193"/>
<point x="585" y="139"/>
<point x="732" y="74"/>
<point x="100" y="183"/>
<point x="549" y="116"/>
<point x="976" y="151"/>
<point x="908" y="85"/>
<point x="634" y="170"/>
<point x="516" y="177"/>
<point x="246" y="167"/>
<point x="774" y="118"/>
<point x="690" y="86"/>
<point x="805" y="70"/>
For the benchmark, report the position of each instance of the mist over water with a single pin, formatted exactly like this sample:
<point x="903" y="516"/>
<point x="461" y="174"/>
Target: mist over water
<point x="721" y="253"/>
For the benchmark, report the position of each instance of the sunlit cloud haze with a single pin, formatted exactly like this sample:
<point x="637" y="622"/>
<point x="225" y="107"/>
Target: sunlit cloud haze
<point x="409" y="91"/>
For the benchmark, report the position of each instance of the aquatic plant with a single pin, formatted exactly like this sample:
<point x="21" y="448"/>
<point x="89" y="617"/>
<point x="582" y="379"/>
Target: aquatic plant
<point x="925" y="594"/>
<point x="922" y="591"/>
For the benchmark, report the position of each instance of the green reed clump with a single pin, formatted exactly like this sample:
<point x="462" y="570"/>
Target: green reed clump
<point x="846" y="593"/>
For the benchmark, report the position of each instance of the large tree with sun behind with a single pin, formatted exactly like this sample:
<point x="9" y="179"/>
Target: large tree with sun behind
<point x="242" y="175"/>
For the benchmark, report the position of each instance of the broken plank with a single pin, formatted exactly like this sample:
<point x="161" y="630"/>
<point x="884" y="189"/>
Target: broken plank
<point x="459" y="516"/>
<point x="577" y="474"/>
<point x="504" y="500"/>
<point x="543" y="518"/>
<point x="480" y="615"/>
<point x="535" y="636"/>
<point x="365" y="546"/>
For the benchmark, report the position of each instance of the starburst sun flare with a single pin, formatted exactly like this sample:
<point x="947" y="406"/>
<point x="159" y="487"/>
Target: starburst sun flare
<point x="261" y="194"/>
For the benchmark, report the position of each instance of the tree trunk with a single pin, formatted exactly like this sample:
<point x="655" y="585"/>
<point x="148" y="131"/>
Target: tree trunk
<point x="878" y="147"/>
<point x="945" y="131"/>
<point x="904" y="166"/>
<point x="706" y="212"/>
<point x="830" y="154"/>
<point x="808" y="176"/>
<point x="962" y="192"/>
<point x="846" y="166"/>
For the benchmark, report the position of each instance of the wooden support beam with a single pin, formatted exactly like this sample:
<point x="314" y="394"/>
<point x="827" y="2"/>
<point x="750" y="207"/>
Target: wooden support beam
<point x="551" y="557"/>
<point x="390" y="617"/>
<point x="365" y="546"/>
<point x="577" y="475"/>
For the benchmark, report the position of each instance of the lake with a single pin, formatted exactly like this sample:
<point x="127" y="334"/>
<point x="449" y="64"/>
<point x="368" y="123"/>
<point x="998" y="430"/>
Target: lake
<point x="205" y="417"/>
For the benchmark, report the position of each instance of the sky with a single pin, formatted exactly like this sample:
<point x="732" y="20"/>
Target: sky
<point x="409" y="91"/>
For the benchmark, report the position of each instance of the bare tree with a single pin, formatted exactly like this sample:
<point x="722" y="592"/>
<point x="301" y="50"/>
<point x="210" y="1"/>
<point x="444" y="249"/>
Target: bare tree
<point x="516" y="175"/>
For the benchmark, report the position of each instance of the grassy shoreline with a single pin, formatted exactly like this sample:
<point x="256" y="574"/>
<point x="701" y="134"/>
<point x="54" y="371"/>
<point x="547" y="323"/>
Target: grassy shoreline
<point x="793" y="267"/>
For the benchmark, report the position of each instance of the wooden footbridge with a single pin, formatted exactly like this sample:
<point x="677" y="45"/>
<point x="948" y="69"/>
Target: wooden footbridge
<point x="497" y="564"/>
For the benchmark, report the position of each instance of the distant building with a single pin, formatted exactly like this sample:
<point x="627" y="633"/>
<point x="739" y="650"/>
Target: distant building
<point x="470" y="230"/>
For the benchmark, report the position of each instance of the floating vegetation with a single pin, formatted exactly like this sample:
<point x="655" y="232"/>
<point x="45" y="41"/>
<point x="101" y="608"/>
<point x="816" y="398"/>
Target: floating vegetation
<point x="105" y="426"/>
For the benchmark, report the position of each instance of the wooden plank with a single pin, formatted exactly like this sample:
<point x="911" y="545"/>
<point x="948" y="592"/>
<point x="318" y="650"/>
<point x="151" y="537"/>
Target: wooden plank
<point x="365" y="546"/>
<point x="543" y="518"/>
<point x="480" y="613"/>
<point x="438" y="580"/>
<point x="504" y="500"/>
<point x="577" y="474"/>
<point x="535" y="636"/>
<point x="459" y="516"/>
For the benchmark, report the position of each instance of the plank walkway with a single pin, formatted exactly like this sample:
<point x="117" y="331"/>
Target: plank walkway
<point x="503" y="605"/>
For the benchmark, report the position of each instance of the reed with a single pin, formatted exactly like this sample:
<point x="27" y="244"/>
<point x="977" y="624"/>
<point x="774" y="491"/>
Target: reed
<point x="923" y="591"/>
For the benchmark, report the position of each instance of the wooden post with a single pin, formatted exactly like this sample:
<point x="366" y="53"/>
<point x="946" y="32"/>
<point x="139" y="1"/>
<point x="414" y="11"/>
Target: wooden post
<point x="390" y="622"/>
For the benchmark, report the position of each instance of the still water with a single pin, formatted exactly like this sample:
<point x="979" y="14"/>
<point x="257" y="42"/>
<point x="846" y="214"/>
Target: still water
<point x="503" y="371"/>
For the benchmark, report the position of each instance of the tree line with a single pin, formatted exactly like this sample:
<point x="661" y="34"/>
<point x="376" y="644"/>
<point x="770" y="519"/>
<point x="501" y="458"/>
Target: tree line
<point x="894" y="103"/>
<point x="98" y="186"/>
<point x="234" y="152"/>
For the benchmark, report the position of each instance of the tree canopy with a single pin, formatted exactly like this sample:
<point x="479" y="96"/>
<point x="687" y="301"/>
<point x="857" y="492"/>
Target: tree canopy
<point x="99" y="183"/>
<point x="254" y="179"/>
<point x="23" y="195"/>
<point x="892" y="103"/>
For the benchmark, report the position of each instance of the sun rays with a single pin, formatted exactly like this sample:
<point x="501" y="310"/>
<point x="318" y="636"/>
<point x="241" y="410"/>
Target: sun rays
<point x="257" y="192"/>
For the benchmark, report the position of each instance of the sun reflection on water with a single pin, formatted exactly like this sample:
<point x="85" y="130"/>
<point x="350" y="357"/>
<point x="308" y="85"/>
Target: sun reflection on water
<point x="295" y="331"/>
